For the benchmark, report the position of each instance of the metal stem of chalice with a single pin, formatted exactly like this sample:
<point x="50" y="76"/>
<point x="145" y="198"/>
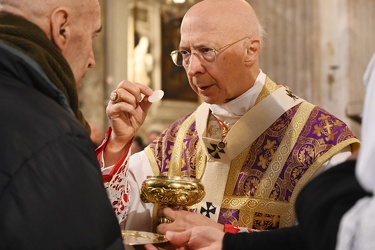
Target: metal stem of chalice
<point x="172" y="191"/>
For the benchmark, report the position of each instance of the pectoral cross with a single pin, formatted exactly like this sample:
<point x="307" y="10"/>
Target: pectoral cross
<point x="217" y="148"/>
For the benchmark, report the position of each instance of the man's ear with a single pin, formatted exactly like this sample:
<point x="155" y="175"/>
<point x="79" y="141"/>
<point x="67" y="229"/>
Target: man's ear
<point x="252" y="52"/>
<point x="60" y="27"/>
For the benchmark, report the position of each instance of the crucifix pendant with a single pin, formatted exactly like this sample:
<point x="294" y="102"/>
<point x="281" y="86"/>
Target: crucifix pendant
<point x="216" y="149"/>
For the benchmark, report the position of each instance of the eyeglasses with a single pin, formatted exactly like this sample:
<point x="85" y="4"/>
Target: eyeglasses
<point x="182" y="57"/>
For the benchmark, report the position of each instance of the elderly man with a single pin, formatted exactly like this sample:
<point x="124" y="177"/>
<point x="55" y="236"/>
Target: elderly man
<point x="253" y="143"/>
<point x="333" y="210"/>
<point x="51" y="189"/>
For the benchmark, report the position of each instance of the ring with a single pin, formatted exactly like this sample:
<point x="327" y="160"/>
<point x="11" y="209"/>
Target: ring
<point x="114" y="97"/>
<point x="165" y="220"/>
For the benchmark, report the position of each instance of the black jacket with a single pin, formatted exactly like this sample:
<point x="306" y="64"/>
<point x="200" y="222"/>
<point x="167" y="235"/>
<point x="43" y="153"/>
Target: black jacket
<point x="51" y="191"/>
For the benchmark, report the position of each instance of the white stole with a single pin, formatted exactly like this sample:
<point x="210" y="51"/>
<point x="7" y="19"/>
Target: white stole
<point x="241" y="135"/>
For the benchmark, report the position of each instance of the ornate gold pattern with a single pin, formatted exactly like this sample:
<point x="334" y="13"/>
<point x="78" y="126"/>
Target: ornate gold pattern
<point x="268" y="88"/>
<point x="172" y="191"/>
<point x="179" y="147"/>
<point x="235" y="168"/>
<point x="200" y="161"/>
<point x="274" y="205"/>
<point x="263" y="221"/>
<point x="353" y="142"/>
<point x="291" y="135"/>
<point x="249" y="206"/>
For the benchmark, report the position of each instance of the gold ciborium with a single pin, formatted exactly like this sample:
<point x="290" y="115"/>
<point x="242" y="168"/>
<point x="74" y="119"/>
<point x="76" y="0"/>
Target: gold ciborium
<point x="172" y="191"/>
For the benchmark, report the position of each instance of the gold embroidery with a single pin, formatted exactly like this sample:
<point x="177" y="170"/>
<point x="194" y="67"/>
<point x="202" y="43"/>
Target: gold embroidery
<point x="325" y="127"/>
<point x="266" y="208"/>
<point x="268" y="88"/>
<point x="338" y="123"/>
<point x="264" y="221"/>
<point x="270" y="145"/>
<point x="228" y="215"/>
<point x="179" y="146"/>
<point x="200" y="161"/>
<point x="318" y="130"/>
<point x="291" y="135"/>
<point x="269" y="152"/>
<point x="239" y="160"/>
<point x="234" y="171"/>
<point x="152" y="160"/>
<point x="306" y="154"/>
<point x="251" y="186"/>
<point x="250" y="206"/>
<point x="331" y="136"/>
<point x="263" y="162"/>
<point x="354" y="142"/>
<point x="170" y="151"/>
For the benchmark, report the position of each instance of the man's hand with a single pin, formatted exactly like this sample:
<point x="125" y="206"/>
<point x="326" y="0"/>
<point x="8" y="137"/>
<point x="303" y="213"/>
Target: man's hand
<point x="126" y="112"/>
<point x="183" y="220"/>
<point x="195" y="238"/>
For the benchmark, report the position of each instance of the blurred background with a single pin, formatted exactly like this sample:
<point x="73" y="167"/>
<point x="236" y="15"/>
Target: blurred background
<point x="318" y="48"/>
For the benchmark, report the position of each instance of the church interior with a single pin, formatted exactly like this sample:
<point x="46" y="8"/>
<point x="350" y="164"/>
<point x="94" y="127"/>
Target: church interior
<point x="319" y="49"/>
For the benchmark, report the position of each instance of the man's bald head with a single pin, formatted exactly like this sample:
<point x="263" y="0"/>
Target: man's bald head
<point x="235" y="18"/>
<point x="231" y="29"/>
<point x="70" y="24"/>
<point x="40" y="11"/>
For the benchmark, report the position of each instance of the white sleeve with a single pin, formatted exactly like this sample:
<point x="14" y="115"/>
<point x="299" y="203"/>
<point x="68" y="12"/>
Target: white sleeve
<point x="365" y="170"/>
<point x="338" y="158"/>
<point x="140" y="214"/>
<point x="357" y="226"/>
